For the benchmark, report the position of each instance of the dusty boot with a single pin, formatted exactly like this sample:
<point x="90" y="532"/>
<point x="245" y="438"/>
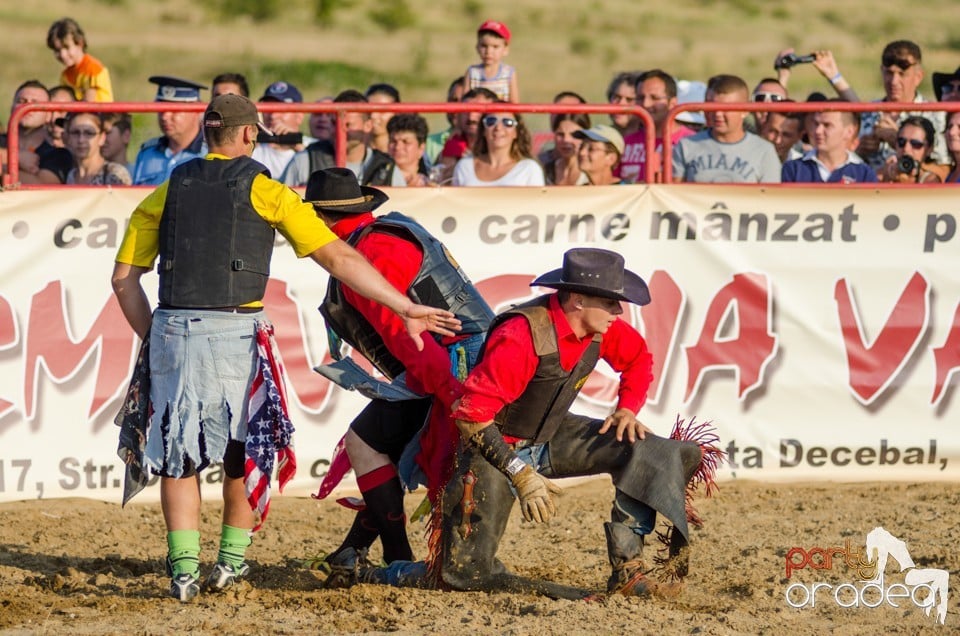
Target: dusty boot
<point x="476" y="506"/>
<point x="349" y="567"/>
<point x="629" y="576"/>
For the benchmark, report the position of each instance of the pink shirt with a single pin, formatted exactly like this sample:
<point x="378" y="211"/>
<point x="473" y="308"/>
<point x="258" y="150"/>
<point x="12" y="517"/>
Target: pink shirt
<point x="633" y="162"/>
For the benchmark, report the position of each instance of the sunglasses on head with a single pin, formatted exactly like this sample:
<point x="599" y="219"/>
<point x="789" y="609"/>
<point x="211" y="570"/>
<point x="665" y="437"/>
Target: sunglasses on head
<point x="492" y="120"/>
<point x="916" y="144"/>
<point x="898" y="62"/>
<point x="768" y="97"/>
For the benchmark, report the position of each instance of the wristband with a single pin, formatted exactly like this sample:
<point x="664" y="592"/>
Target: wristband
<point x="489" y="442"/>
<point x="836" y="78"/>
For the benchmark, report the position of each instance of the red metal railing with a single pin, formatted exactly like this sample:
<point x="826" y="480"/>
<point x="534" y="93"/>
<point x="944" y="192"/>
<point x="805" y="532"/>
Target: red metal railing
<point x="654" y="159"/>
<point x="792" y="107"/>
<point x="338" y="109"/>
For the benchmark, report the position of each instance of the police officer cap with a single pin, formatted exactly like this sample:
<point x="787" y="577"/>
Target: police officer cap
<point x="174" y="89"/>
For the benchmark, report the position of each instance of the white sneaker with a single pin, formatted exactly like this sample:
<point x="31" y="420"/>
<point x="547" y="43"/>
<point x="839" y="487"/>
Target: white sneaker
<point x="184" y="587"/>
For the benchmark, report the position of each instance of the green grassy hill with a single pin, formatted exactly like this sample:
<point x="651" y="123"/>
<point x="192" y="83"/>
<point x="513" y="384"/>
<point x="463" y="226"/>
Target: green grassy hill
<point x="324" y="46"/>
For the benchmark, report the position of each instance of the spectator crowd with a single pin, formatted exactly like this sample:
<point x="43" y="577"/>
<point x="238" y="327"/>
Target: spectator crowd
<point x="498" y="148"/>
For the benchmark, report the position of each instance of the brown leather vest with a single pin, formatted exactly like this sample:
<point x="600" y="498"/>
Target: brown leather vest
<point x="540" y="409"/>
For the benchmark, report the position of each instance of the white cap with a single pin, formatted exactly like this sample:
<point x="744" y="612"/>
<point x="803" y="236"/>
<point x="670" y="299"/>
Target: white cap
<point x="689" y="92"/>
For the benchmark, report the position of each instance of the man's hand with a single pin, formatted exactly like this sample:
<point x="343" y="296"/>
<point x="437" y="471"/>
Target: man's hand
<point x="536" y="494"/>
<point x="29" y="162"/>
<point x="826" y="64"/>
<point x="783" y="74"/>
<point x="868" y="145"/>
<point x="887" y="127"/>
<point x="420" y="318"/>
<point x="625" y="421"/>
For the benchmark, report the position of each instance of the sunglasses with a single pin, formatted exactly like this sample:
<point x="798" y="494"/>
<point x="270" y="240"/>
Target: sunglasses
<point x="899" y="63"/>
<point x="768" y="97"/>
<point x="84" y="132"/>
<point x="492" y="120"/>
<point x="916" y="144"/>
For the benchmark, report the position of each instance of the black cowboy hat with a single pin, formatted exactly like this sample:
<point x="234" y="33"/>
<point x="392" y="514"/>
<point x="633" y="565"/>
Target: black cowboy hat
<point x="939" y="79"/>
<point x="336" y="190"/>
<point x="596" y="272"/>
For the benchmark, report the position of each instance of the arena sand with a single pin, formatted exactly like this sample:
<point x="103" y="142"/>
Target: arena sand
<point x="83" y="567"/>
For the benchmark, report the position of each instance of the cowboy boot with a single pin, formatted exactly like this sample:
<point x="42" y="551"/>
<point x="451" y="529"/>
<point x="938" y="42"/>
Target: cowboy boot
<point x="625" y="550"/>
<point x="629" y="576"/>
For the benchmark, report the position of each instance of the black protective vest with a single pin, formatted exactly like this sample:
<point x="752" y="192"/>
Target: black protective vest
<point x="214" y="248"/>
<point x="540" y="409"/>
<point x="439" y="283"/>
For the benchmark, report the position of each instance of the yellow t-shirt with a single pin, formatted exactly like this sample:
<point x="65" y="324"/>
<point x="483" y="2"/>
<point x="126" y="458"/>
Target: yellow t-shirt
<point x="88" y="73"/>
<point x="276" y="204"/>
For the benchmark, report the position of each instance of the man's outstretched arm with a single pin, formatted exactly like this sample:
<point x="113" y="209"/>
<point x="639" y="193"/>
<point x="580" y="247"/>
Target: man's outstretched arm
<point x="350" y="267"/>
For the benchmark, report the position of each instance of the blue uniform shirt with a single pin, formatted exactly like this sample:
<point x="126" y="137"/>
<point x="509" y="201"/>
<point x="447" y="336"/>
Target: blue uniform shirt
<point x="155" y="161"/>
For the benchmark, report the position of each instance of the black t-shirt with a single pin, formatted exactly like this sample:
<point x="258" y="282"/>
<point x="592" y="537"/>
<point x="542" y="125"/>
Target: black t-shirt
<point x="59" y="161"/>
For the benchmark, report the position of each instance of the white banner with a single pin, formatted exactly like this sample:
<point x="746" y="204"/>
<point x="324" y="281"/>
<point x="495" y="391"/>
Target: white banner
<point x="818" y="329"/>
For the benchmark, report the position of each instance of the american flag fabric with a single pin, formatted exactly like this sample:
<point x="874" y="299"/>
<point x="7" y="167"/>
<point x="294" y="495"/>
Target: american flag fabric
<point x="339" y="467"/>
<point x="269" y="429"/>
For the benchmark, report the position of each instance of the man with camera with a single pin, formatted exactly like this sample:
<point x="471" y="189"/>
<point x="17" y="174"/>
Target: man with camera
<point x="275" y="151"/>
<point x="822" y="61"/>
<point x="902" y="73"/>
<point x="831" y="160"/>
<point x="372" y="167"/>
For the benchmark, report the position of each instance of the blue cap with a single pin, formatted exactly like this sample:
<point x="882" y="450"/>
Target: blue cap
<point x="174" y="89"/>
<point x="282" y="92"/>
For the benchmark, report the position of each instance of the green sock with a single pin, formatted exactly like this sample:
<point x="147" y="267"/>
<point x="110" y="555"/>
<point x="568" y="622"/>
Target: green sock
<point x="183" y="552"/>
<point x="233" y="545"/>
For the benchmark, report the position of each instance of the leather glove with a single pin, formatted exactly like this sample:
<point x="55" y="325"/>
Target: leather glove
<point x="536" y="494"/>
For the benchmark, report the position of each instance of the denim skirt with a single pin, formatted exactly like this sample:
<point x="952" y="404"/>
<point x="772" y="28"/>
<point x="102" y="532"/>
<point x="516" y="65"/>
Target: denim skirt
<point x="202" y="364"/>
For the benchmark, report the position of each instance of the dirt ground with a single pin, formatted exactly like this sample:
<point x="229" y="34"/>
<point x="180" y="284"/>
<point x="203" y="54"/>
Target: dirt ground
<point x="85" y="567"/>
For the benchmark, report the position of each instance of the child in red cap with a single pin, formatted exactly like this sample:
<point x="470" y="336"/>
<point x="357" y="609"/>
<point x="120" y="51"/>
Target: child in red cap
<point x="493" y="44"/>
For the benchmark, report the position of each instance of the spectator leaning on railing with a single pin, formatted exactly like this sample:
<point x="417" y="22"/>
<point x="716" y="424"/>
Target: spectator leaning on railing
<point x="911" y="163"/>
<point x="84" y="137"/>
<point x="501" y="154"/>
<point x="724" y="152"/>
<point x="831" y="160"/>
<point x="39" y="161"/>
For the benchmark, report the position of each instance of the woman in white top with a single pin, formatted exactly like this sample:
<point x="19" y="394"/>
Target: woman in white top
<point x="501" y="155"/>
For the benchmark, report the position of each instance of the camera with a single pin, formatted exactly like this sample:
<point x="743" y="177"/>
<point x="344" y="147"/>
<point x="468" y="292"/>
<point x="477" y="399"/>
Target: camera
<point x="285" y="139"/>
<point x="907" y="164"/>
<point x="792" y="59"/>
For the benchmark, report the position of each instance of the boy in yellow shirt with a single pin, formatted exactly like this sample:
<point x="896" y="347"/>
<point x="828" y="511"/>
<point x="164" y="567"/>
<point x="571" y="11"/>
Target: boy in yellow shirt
<point x="88" y="77"/>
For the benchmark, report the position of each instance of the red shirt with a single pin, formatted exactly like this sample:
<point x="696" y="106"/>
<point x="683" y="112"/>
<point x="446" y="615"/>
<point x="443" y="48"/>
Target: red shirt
<point x="509" y="363"/>
<point x="455" y="147"/>
<point x="428" y="371"/>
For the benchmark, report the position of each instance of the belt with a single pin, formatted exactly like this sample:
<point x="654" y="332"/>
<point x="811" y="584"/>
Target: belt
<point x="523" y="443"/>
<point x="229" y="310"/>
